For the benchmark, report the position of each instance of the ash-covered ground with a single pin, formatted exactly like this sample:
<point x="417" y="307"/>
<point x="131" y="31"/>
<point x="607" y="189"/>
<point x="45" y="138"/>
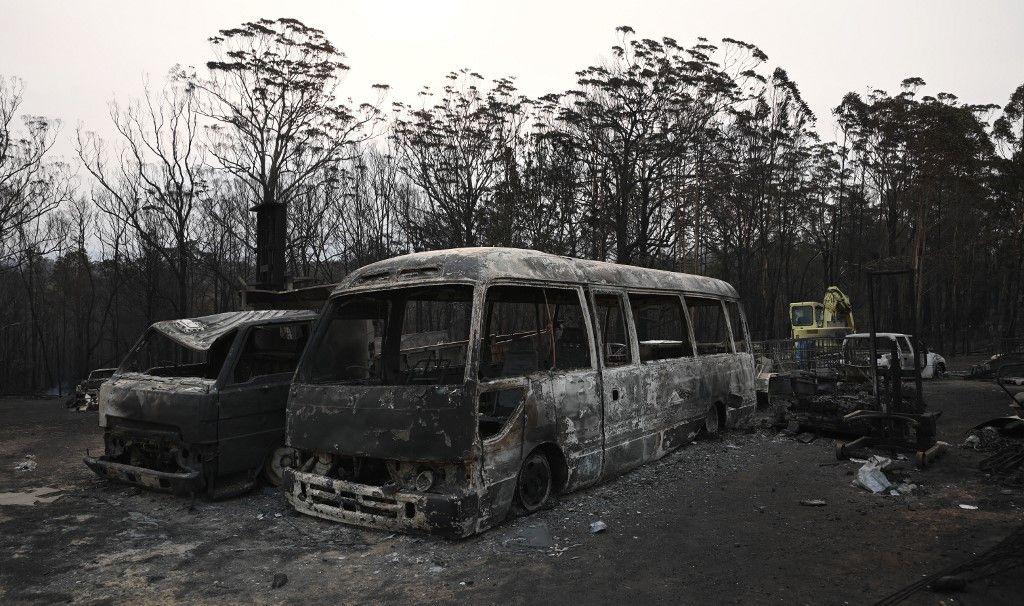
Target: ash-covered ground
<point x="719" y="521"/>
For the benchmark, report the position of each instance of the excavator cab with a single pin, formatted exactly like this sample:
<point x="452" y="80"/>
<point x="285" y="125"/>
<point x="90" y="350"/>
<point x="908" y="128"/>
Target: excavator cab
<point x="832" y="318"/>
<point x="805" y="315"/>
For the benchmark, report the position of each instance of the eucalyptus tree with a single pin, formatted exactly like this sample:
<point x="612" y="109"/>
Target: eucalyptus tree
<point x="154" y="179"/>
<point x="637" y="121"/>
<point x="460" y="148"/>
<point x="30" y="187"/>
<point x="278" y="124"/>
<point x="1008" y="207"/>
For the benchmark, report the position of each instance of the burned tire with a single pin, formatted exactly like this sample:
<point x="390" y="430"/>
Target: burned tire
<point x="534" y="484"/>
<point x="712" y="423"/>
<point x="277" y="461"/>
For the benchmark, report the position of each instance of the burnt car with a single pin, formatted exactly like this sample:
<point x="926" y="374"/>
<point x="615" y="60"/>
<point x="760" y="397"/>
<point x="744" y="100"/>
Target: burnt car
<point x="87" y="392"/>
<point x="198" y="404"/>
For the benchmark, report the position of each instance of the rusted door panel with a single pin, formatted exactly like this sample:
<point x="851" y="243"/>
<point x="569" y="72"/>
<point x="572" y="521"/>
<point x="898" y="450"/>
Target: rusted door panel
<point x="502" y="453"/>
<point x="672" y="405"/>
<point x="727" y="377"/>
<point x="578" y="424"/>
<point x="623" y="406"/>
<point x="251" y="422"/>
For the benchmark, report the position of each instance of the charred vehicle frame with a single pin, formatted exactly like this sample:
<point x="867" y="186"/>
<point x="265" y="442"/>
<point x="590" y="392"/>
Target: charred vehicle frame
<point x="198" y="404"/>
<point x="442" y="390"/>
<point x="86" y="396"/>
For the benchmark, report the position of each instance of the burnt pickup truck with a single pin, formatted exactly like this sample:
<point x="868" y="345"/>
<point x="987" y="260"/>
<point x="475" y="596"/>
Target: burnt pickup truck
<point x="198" y="405"/>
<point x="86" y="396"/>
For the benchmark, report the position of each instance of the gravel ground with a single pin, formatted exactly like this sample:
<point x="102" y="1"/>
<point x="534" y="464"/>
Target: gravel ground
<point x="719" y="521"/>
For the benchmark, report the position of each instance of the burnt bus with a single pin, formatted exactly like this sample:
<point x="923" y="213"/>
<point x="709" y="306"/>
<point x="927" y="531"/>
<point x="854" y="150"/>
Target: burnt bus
<point x="441" y="391"/>
<point x="197" y="406"/>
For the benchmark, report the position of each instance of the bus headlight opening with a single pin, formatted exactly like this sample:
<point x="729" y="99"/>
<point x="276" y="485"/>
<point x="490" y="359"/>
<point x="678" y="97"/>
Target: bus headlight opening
<point x="424" y="480"/>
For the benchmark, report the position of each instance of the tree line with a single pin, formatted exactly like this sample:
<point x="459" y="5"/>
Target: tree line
<point x="696" y="157"/>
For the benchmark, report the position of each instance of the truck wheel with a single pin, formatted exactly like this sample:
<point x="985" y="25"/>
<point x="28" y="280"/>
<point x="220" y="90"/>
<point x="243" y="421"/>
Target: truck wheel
<point x="940" y="370"/>
<point x="277" y="461"/>
<point x="534" y="483"/>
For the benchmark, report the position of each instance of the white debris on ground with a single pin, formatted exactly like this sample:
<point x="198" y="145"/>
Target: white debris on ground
<point x="32" y="496"/>
<point x="870" y="476"/>
<point x="29" y="464"/>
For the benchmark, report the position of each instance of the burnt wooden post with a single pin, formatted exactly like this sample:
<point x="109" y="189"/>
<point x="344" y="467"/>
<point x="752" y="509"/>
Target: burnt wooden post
<point x="271" y="234"/>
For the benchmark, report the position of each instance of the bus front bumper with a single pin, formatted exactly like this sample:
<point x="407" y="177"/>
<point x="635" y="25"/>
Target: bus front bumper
<point x="450" y="515"/>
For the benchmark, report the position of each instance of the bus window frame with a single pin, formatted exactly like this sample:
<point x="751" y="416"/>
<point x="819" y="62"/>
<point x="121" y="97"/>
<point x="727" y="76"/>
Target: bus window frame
<point x="743" y="321"/>
<point x="627" y="311"/>
<point x="686" y="318"/>
<point x="725" y="316"/>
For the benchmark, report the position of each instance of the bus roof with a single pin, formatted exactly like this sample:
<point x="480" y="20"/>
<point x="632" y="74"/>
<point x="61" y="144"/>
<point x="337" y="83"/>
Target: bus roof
<point x="483" y="264"/>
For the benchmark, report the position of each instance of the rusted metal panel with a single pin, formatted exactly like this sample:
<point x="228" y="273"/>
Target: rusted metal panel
<point x="395" y="422"/>
<point x="450" y="515"/>
<point x="188" y="404"/>
<point x="200" y="333"/>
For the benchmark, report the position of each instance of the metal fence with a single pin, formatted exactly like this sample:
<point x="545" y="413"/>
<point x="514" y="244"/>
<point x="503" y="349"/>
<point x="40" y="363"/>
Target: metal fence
<point x="800" y="354"/>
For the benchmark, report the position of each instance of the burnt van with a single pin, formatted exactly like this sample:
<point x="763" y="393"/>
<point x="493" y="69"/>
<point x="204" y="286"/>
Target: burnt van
<point x="197" y="406"/>
<point x="441" y="391"/>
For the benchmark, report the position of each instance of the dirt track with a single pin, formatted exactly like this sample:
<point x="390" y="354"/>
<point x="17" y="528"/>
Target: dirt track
<point x="716" y="522"/>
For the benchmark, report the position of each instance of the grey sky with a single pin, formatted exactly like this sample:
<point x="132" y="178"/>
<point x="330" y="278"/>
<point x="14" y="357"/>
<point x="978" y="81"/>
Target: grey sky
<point x="76" y="56"/>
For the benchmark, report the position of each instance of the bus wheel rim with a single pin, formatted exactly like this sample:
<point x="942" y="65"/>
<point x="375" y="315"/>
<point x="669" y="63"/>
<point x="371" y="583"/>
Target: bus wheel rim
<point x="534" y="483"/>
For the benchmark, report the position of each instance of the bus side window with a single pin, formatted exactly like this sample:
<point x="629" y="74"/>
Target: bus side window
<point x="568" y="329"/>
<point x="708" y="325"/>
<point x="739" y="337"/>
<point x="513" y="344"/>
<point x="611" y="323"/>
<point x="661" y="329"/>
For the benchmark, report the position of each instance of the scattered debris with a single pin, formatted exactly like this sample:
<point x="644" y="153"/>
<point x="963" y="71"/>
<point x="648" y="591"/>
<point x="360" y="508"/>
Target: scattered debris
<point x="968" y="507"/>
<point x="813" y="502"/>
<point x="971" y="441"/>
<point x="598" y="526"/>
<point x="870" y="475"/>
<point x="806" y="437"/>
<point x="29" y="464"/>
<point x="1005" y="460"/>
<point x="280" y="580"/>
<point x="906" y="487"/>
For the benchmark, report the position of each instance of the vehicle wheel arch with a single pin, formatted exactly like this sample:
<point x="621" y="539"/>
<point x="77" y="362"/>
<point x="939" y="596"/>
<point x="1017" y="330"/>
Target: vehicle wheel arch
<point x="720" y="414"/>
<point x="723" y="417"/>
<point x="557" y="461"/>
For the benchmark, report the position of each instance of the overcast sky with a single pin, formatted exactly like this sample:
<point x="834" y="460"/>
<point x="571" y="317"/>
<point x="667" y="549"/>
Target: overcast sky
<point x="75" y="56"/>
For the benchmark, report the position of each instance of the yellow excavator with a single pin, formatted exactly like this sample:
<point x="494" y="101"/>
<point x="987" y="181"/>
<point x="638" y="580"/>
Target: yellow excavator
<point x="832" y="319"/>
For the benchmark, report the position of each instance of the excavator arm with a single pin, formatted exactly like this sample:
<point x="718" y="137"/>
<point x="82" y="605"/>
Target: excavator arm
<point x="838" y="309"/>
